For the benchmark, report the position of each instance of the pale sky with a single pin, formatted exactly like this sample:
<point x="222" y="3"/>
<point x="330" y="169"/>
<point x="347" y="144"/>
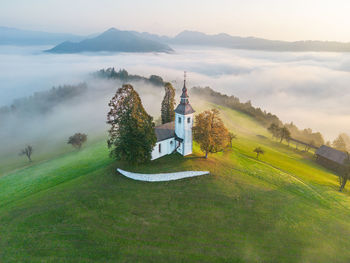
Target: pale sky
<point x="272" y="19"/>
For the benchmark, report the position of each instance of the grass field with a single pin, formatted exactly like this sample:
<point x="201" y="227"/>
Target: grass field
<point x="76" y="208"/>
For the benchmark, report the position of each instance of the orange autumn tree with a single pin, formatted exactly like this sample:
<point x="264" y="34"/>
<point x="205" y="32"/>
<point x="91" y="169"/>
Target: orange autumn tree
<point x="210" y="132"/>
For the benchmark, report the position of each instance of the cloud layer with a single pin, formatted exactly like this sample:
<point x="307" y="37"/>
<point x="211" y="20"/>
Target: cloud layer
<point x="310" y="89"/>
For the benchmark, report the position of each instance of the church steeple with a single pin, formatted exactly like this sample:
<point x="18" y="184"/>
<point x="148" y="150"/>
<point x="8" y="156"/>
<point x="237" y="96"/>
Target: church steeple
<point x="184" y="95"/>
<point x="184" y="107"/>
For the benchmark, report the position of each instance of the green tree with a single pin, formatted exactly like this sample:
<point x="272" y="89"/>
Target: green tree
<point x="339" y="144"/>
<point x="156" y="80"/>
<point x="210" y="132"/>
<point x="284" y="134"/>
<point x="131" y="136"/>
<point x="258" y="151"/>
<point x="168" y="104"/>
<point x="274" y="130"/>
<point x="77" y="140"/>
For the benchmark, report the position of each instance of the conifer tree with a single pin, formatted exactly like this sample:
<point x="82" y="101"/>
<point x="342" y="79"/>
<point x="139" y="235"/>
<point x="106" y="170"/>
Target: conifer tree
<point x="210" y="132"/>
<point x="131" y="136"/>
<point x="168" y="104"/>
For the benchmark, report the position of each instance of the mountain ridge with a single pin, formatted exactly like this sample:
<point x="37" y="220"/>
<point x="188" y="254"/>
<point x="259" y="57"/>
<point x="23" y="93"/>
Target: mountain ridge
<point x="15" y="36"/>
<point x="112" y="40"/>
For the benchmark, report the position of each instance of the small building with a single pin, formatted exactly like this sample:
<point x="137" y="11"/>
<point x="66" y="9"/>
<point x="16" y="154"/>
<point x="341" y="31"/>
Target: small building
<point x="331" y="158"/>
<point x="176" y="135"/>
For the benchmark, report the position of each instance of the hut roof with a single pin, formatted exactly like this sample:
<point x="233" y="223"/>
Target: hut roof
<point x="332" y="154"/>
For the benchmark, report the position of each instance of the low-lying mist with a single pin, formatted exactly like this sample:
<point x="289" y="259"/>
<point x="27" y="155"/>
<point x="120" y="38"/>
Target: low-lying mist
<point x="310" y="89"/>
<point x="84" y="113"/>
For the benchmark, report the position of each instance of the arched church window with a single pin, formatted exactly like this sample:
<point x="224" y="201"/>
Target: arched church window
<point x="179" y="119"/>
<point x="188" y="120"/>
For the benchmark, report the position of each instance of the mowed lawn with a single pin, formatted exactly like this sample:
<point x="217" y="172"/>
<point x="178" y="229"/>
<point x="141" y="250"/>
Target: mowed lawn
<point x="77" y="208"/>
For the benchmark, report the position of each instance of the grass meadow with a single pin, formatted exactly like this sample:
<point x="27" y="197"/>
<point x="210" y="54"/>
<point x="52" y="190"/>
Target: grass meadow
<point x="72" y="206"/>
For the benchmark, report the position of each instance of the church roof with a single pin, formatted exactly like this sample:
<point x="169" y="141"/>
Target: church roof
<point x="184" y="109"/>
<point x="165" y="131"/>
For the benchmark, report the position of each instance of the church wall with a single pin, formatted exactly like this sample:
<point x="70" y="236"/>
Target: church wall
<point x="179" y="129"/>
<point x="167" y="147"/>
<point x="184" y="131"/>
<point x="188" y="135"/>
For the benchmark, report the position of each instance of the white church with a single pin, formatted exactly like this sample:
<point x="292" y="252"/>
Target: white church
<point x="176" y="135"/>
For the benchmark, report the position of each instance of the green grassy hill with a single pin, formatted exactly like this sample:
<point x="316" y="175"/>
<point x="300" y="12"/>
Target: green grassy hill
<point x="76" y="208"/>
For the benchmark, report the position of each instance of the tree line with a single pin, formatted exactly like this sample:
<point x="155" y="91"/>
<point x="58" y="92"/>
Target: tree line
<point x="42" y="102"/>
<point x="125" y="77"/>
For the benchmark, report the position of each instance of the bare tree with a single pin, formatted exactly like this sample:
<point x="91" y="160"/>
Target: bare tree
<point x="27" y="151"/>
<point x="231" y="136"/>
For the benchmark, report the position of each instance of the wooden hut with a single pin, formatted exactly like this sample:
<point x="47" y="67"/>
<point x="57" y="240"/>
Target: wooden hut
<point x="331" y="158"/>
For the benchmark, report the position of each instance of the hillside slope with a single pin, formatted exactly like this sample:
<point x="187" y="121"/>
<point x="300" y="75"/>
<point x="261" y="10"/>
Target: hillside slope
<point x="76" y="208"/>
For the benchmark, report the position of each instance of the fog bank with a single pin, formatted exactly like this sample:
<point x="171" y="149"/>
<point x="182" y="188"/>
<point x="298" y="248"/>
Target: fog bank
<point x="310" y="89"/>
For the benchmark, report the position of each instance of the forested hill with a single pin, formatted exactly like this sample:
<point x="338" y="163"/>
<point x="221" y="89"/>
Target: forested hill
<point x="44" y="101"/>
<point x="124" y="76"/>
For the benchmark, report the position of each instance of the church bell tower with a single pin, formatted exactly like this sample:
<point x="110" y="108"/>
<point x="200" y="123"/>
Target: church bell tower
<point x="184" y="123"/>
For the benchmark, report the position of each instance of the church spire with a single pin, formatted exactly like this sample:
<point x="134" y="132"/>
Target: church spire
<point x="184" y="107"/>
<point x="184" y="95"/>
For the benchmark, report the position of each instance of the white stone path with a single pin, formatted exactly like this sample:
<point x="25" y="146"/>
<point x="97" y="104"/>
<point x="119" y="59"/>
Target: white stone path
<point x="162" y="176"/>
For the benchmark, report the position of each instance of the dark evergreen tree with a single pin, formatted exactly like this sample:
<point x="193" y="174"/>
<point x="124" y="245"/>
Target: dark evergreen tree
<point x="168" y="104"/>
<point x="131" y="136"/>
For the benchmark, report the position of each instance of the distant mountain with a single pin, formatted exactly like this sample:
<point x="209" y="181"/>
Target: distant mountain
<point x="252" y="43"/>
<point x="13" y="36"/>
<point x="113" y="40"/>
